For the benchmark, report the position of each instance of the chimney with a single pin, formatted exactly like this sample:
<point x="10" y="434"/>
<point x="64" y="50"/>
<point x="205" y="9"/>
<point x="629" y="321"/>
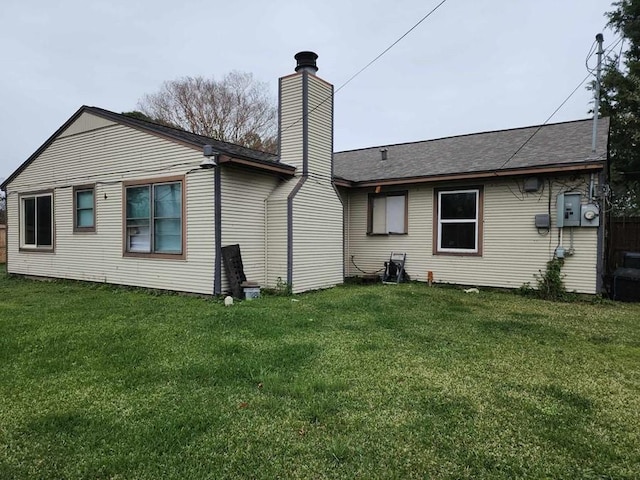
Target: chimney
<point x="306" y="62"/>
<point x="305" y="130"/>
<point x="305" y="212"/>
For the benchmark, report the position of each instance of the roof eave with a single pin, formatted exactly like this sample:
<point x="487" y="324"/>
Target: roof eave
<point x="547" y="169"/>
<point x="43" y="147"/>
<point x="342" y="182"/>
<point x="273" y="167"/>
<point x="227" y="157"/>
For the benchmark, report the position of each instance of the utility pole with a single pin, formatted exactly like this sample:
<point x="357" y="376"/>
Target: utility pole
<point x="596" y="107"/>
<point x="601" y="265"/>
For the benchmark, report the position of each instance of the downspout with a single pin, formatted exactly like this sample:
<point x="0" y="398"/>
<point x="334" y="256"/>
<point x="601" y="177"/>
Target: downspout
<point x="211" y="161"/>
<point x="346" y="206"/>
<point x="217" y="212"/>
<point x="266" y="243"/>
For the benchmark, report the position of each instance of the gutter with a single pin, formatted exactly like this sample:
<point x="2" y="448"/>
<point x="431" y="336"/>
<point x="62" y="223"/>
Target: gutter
<point x="587" y="167"/>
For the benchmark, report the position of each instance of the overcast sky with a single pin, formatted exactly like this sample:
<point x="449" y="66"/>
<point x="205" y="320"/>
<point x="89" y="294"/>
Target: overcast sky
<point x="474" y="65"/>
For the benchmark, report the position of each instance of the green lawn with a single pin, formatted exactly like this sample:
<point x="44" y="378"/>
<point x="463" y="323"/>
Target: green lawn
<point x="355" y="382"/>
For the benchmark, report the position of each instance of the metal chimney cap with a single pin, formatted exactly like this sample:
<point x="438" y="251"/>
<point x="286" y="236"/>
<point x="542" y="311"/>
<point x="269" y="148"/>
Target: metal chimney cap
<point x="306" y="62"/>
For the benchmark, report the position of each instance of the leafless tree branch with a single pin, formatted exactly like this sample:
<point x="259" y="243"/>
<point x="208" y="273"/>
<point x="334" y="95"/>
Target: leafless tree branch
<point x="236" y="109"/>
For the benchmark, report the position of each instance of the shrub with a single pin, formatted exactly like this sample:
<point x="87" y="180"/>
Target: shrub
<point x="549" y="283"/>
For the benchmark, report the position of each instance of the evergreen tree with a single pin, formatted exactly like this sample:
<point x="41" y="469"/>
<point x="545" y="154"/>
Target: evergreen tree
<point x="620" y="100"/>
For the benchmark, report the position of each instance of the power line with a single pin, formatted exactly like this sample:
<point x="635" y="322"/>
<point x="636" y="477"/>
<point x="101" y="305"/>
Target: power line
<point x="328" y="97"/>
<point x="543" y="124"/>
<point x="591" y="50"/>
<point x="390" y="46"/>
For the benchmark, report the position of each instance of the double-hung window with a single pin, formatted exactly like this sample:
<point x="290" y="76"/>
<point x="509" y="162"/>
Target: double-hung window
<point x="387" y="213"/>
<point x="154" y="218"/>
<point x="36" y="221"/>
<point x="459" y="227"/>
<point x="84" y="209"/>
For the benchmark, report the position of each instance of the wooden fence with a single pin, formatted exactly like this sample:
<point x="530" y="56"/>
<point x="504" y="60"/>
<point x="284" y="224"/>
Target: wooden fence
<point x="624" y="236"/>
<point x="3" y="244"/>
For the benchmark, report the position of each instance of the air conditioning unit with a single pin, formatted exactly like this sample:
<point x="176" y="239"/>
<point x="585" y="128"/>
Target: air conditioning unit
<point x="626" y="279"/>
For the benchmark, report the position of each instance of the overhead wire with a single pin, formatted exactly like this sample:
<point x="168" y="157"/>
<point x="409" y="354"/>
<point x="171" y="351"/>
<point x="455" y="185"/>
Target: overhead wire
<point x="350" y="79"/>
<point x="535" y="132"/>
<point x="390" y="46"/>
<point x="589" y="55"/>
<point x="620" y="54"/>
<point x="543" y="124"/>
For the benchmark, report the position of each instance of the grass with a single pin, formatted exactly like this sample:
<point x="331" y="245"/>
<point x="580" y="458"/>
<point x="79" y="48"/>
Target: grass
<point x="354" y="382"/>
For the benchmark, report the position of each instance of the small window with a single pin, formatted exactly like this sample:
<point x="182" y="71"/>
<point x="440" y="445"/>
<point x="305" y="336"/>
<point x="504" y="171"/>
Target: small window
<point x="154" y="223"/>
<point x="36" y="221"/>
<point x="387" y="213"/>
<point x="459" y="226"/>
<point x="84" y="219"/>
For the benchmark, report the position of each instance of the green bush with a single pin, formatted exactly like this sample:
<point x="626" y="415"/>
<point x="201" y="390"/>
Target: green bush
<point x="550" y="285"/>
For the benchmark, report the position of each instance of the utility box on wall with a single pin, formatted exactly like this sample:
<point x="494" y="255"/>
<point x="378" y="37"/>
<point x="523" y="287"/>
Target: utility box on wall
<point x="590" y="215"/>
<point x="569" y="213"/>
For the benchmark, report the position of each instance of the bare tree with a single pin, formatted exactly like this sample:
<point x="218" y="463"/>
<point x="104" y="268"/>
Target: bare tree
<point x="236" y="109"/>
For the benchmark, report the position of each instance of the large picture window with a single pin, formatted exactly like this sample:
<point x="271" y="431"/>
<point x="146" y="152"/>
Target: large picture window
<point x="387" y="213"/>
<point x="36" y="221"/>
<point x="458" y="221"/>
<point x="154" y="223"/>
<point x="84" y="209"/>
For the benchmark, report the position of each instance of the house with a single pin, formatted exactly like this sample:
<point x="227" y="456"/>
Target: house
<point x="484" y="209"/>
<point x="110" y="198"/>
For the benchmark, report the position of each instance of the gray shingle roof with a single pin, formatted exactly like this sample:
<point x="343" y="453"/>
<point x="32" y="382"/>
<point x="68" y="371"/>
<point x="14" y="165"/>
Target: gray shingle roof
<point x="558" y="144"/>
<point x="230" y="149"/>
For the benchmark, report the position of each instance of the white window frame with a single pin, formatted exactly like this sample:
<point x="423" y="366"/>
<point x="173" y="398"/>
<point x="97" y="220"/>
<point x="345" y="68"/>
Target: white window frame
<point x="23" y="234"/>
<point x="381" y="223"/>
<point x="475" y="221"/>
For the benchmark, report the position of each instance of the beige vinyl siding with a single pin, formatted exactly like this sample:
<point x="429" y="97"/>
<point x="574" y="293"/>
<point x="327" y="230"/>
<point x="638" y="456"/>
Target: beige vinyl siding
<point x="513" y="250"/>
<point x="317" y="237"/>
<point x="107" y="157"/>
<point x="243" y="219"/>
<point x="276" y="248"/>
<point x="84" y="123"/>
<point x="276" y="227"/>
<point x="320" y="127"/>
<point x="291" y="120"/>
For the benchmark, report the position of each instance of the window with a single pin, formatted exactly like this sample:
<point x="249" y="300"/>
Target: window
<point x="387" y="213"/>
<point x="36" y="221"/>
<point x="84" y="219"/>
<point x="459" y="227"/>
<point x="153" y="223"/>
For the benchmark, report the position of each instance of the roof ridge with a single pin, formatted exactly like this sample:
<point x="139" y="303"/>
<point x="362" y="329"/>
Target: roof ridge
<point x="467" y="135"/>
